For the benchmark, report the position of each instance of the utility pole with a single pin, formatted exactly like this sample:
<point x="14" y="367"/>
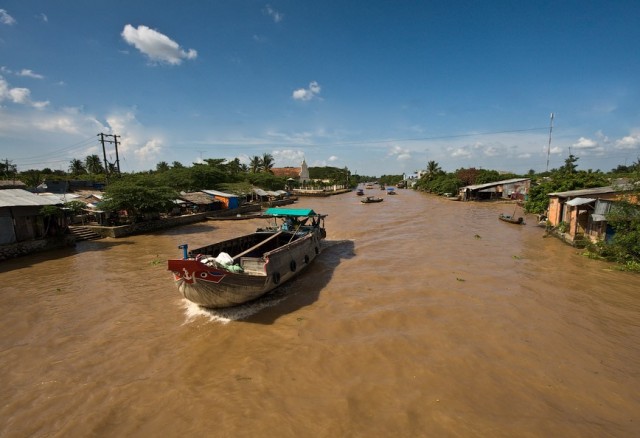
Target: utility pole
<point x="103" y="140"/>
<point x="549" y="146"/>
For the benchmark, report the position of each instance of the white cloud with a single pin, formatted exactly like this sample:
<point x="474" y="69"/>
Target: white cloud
<point x="5" y="18"/>
<point x="461" y="152"/>
<point x="135" y="139"/>
<point x="305" y="94"/>
<point x="333" y="158"/>
<point x="43" y="17"/>
<point x="21" y="96"/>
<point x="628" y="142"/>
<point x="401" y="154"/>
<point x="150" y="150"/>
<point x="288" y="157"/>
<point x="30" y="74"/>
<point x="584" y="143"/>
<point x="156" y="46"/>
<point x="275" y="15"/>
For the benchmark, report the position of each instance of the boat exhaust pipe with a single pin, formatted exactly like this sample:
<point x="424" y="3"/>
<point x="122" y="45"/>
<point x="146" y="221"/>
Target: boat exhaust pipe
<point x="185" y="251"/>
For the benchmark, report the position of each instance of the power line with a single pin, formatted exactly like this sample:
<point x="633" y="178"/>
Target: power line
<point x="392" y="140"/>
<point x="77" y="145"/>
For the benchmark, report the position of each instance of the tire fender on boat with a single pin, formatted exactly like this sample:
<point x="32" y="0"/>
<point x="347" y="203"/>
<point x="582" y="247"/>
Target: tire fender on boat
<point x="293" y="266"/>
<point x="276" y="278"/>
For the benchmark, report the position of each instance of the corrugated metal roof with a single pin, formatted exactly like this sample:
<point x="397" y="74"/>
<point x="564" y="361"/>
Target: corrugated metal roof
<point x="584" y="192"/>
<point x="260" y="192"/>
<point x="23" y="198"/>
<point x="198" y="198"/>
<point x="217" y="193"/>
<point x="580" y="201"/>
<point x="496" y="183"/>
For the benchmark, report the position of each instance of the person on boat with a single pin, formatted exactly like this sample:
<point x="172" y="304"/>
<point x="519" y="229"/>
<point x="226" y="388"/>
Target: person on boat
<point x="287" y="224"/>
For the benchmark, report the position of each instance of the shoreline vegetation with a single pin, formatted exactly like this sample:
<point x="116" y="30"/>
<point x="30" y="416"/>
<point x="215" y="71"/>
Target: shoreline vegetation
<point x="144" y="197"/>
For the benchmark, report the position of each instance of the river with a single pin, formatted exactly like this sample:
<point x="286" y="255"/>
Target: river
<point x="422" y="317"/>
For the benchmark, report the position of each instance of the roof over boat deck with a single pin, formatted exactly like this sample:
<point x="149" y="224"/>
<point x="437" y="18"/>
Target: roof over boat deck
<point x="297" y="212"/>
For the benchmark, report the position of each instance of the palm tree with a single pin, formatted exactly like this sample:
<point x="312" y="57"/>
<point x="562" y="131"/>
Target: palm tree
<point x="255" y="164"/>
<point x="234" y="167"/>
<point x="267" y="162"/>
<point x="93" y="164"/>
<point x="433" y="169"/>
<point x="76" y="167"/>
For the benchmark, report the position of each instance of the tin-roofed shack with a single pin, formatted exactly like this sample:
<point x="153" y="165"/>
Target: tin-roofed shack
<point x="228" y="200"/>
<point x="23" y="228"/>
<point x="580" y="214"/>
<point x="515" y="189"/>
<point x="198" y="202"/>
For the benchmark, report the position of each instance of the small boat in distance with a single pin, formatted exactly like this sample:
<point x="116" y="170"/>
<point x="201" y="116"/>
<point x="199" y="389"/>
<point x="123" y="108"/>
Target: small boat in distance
<point x="241" y="269"/>
<point x="391" y="191"/>
<point x="371" y="199"/>
<point x="360" y="192"/>
<point x="511" y="219"/>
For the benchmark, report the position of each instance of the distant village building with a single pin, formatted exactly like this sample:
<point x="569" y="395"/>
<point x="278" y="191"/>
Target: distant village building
<point x="515" y="188"/>
<point x="12" y="184"/>
<point x="299" y="174"/>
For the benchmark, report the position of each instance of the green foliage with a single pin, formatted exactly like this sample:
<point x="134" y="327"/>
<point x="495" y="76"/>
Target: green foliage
<point x="93" y="164"/>
<point x="267" y="181"/>
<point x="49" y="211"/>
<point x="138" y="195"/>
<point x="329" y="173"/>
<point x="32" y="178"/>
<point x="390" y="180"/>
<point x="560" y="181"/>
<point x="440" y="184"/>
<point x="75" y="207"/>
<point x="77" y="167"/>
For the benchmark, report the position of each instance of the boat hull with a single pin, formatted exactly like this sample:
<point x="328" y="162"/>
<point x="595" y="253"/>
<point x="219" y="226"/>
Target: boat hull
<point x="216" y="287"/>
<point x="511" y="219"/>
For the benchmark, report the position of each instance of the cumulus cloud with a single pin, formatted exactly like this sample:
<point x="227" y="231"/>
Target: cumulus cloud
<point x="275" y="15"/>
<point x="288" y="157"/>
<point x="584" y="143"/>
<point x="462" y="152"/>
<point x="628" y="142"/>
<point x="20" y="96"/>
<point x="333" y="158"/>
<point x="156" y="46"/>
<point x="401" y="154"/>
<point x="5" y="18"/>
<point x="149" y="150"/>
<point x="305" y="94"/>
<point x="30" y="74"/>
<point x="135" y="139"/>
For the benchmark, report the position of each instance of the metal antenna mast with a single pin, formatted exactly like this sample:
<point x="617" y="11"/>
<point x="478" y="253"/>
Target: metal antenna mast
<point x="549" y="146"/>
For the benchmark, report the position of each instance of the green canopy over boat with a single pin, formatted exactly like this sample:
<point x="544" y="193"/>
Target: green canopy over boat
<point x="297" y="212"/>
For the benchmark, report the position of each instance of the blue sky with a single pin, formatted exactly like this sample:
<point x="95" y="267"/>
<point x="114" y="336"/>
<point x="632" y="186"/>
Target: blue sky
<point x="381" y="87"/>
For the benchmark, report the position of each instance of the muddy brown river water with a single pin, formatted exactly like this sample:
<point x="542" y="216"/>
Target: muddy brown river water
<point x="422" y="317"/>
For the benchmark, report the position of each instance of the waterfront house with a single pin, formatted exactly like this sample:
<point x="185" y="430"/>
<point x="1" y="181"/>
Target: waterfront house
<point x="20" y="217"/>
<point x="515" y="188"/>
<point x="580" y="214"/>
<point x="228" y="201"/>
<point x="199" y="202"/>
